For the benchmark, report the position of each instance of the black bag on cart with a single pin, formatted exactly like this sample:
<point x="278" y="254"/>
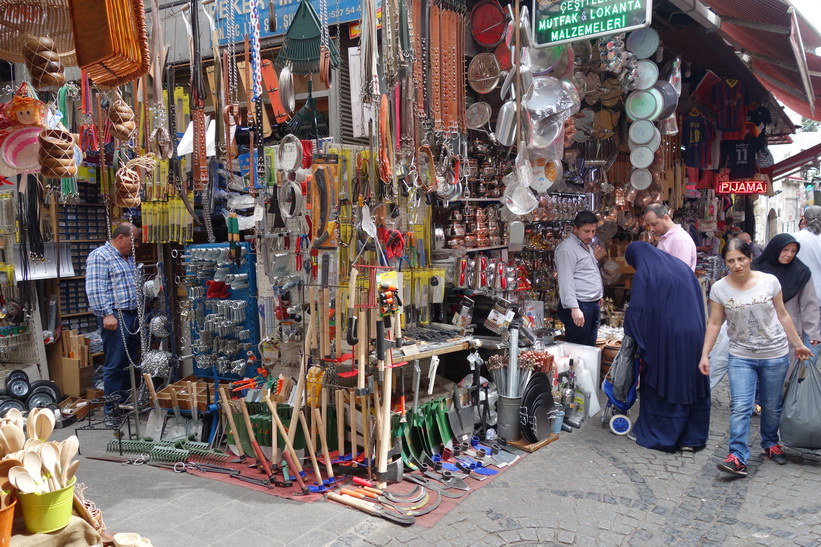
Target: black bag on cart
<point x="801" y="409"/>
<point x="622" y="372"/>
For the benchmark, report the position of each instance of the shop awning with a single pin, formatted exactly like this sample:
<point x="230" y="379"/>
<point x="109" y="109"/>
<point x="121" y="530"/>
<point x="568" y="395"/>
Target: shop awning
<point x="762" y="30"/>
<point x="795" y="162"/>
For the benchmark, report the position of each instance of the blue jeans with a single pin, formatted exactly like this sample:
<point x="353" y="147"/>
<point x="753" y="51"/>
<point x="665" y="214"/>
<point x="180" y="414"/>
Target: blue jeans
<point x="744" y="374"/>
<point x="587" y="334"/>
<point x="116" y="378"/>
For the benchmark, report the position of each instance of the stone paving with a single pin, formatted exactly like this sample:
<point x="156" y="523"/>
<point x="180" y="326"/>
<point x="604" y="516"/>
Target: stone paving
<point x="588" y="488"/>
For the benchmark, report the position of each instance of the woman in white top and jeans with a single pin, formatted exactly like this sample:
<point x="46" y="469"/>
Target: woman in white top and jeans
<point x="760" y="331"/>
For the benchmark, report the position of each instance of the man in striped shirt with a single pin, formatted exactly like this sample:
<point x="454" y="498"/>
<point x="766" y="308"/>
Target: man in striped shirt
<point x="112" y="296"/>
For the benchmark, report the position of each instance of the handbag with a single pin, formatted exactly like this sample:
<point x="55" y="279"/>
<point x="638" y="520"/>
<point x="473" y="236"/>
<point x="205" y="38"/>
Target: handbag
<point x="801" y="409"/>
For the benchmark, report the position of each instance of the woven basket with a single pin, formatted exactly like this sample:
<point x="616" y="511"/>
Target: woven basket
<point x="25" y="19"/>
<point x="110" y="39"/>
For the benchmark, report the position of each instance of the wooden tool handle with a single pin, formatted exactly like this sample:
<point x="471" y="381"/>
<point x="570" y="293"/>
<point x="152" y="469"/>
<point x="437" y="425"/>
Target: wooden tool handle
<point x="226" y="407"/>
<point x="149" y="383"/>
<point x="353" y="493"/>
<point x="323" y="437"/>
<point x="289" y="447"/>
<point x="247" y="418"/>
<point x="309" y="443"/>
<point x="362" y="505"/>
<point x="174" y="399"/>
<point x="263" y="461"/>
<point x="192" y="399"/>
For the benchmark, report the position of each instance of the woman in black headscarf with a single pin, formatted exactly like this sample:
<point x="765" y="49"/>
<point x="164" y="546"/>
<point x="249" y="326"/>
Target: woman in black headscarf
<point x="800" y="299"/>
<point x="666" y="318"/>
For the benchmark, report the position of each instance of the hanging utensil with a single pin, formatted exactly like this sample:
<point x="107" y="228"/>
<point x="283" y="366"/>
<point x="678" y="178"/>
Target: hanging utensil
<point x="195" y="426"/>
<point x="175" y="427"/>
<point x="156" y="418"/>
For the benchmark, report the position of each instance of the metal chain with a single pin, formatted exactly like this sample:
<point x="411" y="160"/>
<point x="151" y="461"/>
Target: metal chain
<point x="232" y="55"/>
<point x="256" y="62"/>
<point x="323" y="21"/>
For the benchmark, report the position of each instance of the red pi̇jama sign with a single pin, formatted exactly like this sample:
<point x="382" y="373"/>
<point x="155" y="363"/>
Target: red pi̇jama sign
<point x="742" y="187"/>
<point x="564" y="21"/>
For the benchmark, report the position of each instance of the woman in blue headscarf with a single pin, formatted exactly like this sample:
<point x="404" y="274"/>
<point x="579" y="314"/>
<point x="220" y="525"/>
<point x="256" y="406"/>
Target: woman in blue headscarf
<point x="666" y="318"/>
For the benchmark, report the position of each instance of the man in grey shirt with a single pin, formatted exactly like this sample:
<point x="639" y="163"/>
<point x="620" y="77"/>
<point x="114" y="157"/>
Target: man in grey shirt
<point x="580" y="283"/>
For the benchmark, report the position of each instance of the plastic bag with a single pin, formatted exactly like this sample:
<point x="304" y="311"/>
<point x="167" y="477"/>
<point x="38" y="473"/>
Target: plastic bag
<point x="622" y="373"/>
<point x="801" y="411"/>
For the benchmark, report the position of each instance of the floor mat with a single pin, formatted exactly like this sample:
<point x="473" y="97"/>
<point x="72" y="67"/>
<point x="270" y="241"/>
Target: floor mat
<point x="293" y="493"/>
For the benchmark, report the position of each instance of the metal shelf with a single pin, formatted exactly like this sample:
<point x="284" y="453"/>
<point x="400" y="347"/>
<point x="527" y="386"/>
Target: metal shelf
<point x="480" y="249"/>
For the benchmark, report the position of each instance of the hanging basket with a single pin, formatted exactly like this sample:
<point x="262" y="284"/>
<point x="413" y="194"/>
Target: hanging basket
<point x="111" y="40"/>
<point x="23" y="20"/>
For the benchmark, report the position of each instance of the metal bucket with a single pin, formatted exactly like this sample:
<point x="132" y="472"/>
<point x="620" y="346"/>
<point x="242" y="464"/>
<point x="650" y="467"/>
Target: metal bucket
<point x="508" y="421"/>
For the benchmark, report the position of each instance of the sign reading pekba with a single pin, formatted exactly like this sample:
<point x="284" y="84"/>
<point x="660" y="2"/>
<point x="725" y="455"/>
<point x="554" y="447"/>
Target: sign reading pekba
<point x="742" y="187"/>
<point x="562" y="21"/>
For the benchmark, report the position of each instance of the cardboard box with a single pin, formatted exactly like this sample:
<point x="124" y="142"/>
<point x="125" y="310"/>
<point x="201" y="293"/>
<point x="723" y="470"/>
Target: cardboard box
<point x="74" y="409"/>
<point x="181" y="388"/>
<point x="72" y="378"/>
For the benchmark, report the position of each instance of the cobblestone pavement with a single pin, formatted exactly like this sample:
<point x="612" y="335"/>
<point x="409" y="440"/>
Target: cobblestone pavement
<point x="588" y="488"/>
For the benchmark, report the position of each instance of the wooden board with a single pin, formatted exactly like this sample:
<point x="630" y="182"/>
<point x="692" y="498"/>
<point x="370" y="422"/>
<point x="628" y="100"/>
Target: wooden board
<point x="533" y="447"/>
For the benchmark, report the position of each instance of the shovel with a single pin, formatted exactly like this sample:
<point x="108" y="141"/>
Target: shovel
<point x="460" y="418"/>
<point x="153" y="428"/>
<point x="194" y="426"/>
<point x="175" y="427"/>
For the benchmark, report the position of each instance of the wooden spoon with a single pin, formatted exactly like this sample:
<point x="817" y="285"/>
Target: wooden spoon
<point x="4" y="445"/>
<point x="32" y="444"/>
<point x="50" y="460"/>
<point x="68" y="451"/>
<point x="45" y="424"/>
<point x="24" y="482"/>
<point x="15" y="415"/>
<point x="14" y="437"/>
<point x="34" y="466"/>
<point x="68" y="474"/>
<point x="31" y="424"/>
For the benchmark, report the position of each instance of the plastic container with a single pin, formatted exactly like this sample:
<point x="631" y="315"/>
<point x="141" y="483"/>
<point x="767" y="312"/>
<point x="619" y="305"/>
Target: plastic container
<point x="508" y="426"/>
<point x="558" y="420"/>
<point x="7" y="523"/>
<point x="48" y="512"/>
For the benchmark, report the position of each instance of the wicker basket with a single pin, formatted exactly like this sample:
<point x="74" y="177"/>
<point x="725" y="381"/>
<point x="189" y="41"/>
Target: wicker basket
<point x="26" y="19"/>
<point x="110" y="40"/>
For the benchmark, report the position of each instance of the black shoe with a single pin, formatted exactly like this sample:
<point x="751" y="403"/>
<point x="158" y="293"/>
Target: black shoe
<point x="776" y="454"/>
<point x="691" y="448"/>
<point x="733" y="466"/>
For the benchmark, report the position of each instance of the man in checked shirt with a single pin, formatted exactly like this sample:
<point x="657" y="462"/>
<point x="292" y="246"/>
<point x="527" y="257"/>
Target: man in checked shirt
<point x="112" y="296"/>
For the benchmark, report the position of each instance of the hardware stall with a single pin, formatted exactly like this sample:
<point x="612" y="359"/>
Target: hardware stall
<point x="348" y="224"/>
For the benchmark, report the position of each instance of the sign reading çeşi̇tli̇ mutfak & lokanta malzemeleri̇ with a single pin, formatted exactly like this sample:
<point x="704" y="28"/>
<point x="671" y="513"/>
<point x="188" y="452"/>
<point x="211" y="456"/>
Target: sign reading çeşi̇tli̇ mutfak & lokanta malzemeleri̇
<point x="563" y="21"/>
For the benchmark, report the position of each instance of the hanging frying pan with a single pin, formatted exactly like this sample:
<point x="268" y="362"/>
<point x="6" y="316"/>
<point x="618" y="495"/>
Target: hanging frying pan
<point x="641" y="157"/>
<point x="647" y="73"/>
<point x="487" y="23"/>
<point x="503" y="56"/>
<point x="643" y="42"/>
<point x="286" y="89"/>
<point x="484" y="73"/>
<point x="610" y="92"/>
<point x="643" y="105"/>
<point x="477" y="115"/>
<point x="652" y="144"/>
<point x="669" y="97"/>
<point x="641" y="179"/>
